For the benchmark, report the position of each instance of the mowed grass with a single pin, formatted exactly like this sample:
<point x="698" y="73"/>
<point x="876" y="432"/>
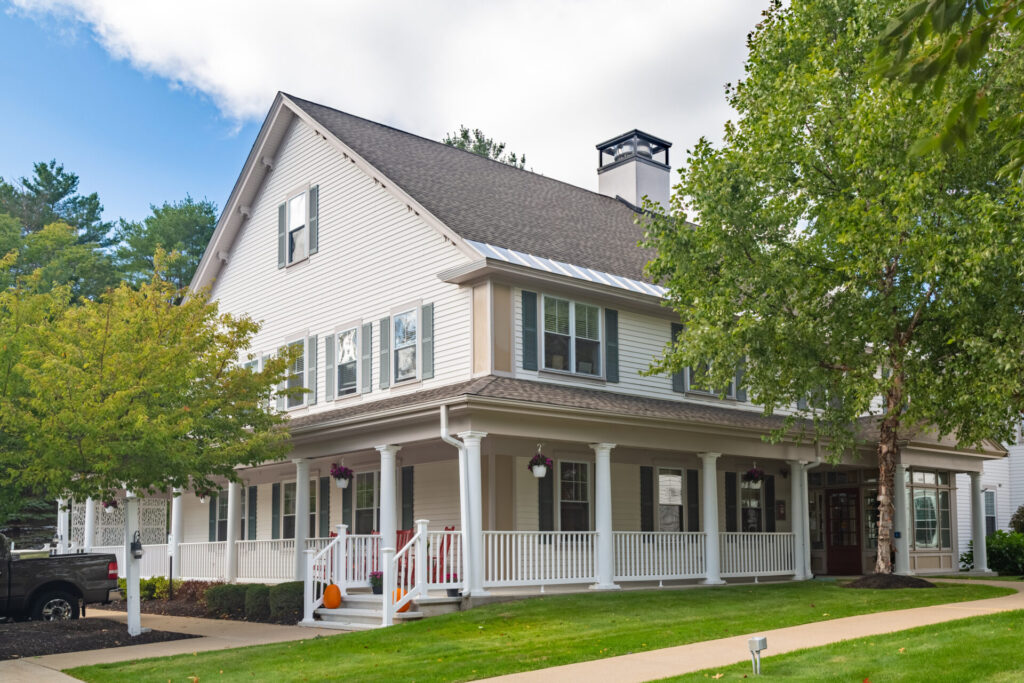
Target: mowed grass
<point x="536" y="633"/>
<point x="969" y="577"/>
<point x="976" y="649"/>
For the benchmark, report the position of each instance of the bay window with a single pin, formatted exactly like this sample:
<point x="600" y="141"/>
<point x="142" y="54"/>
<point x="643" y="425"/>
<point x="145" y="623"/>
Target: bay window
<point x="572" y="336"/>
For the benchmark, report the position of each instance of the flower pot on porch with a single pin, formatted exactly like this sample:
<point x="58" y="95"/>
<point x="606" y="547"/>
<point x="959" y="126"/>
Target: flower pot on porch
<point x="341" y="483"/>
<point x="454" y="592"/>
<point x="539" y="471"/>
<point x="377" y="590"/>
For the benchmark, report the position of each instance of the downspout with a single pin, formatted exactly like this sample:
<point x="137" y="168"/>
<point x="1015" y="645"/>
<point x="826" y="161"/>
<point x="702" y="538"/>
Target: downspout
<point x="463" y="492"/>
<point x="804" y="468"/>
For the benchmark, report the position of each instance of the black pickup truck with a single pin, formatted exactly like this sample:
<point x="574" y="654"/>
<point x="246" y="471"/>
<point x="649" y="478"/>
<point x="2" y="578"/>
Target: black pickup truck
<point x="52" y="588"/>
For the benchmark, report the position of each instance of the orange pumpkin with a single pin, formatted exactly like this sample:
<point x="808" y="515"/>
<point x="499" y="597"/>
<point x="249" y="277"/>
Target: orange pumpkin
<point x="398" y="596"/>
<point x="332" y="597"/>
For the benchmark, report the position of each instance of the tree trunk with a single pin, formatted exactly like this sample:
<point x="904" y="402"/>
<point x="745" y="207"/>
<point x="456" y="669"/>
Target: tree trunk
<point x="888" y="452"/>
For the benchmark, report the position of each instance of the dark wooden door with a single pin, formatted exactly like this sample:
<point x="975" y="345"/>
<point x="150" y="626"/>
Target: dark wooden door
<point x="842" y="532"/>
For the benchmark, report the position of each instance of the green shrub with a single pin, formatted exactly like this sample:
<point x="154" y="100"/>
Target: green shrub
<point x="161" y="588"/>
<point x="122" y="585"/>
<point x="1017" y="521"/>
<point x="257" y="602"/>
<point x="1006" y="553"/>
<point x="286" y="602"/>
<point x="147" y="588"/>
<point x="227" y="600"/>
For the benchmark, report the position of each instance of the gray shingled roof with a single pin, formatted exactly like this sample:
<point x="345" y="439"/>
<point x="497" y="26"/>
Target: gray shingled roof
<point x="491" y="202"/>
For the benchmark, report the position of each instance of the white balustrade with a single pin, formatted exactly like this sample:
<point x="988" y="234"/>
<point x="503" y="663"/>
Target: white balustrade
<point x="362" y="556"/>
<point x="444" y="550"/>
<point x="756" y="554"/>
<point x="531" y="558"/>
<point x="202" y="561"/>
<point x="266" y="561"/>
<point x="155" y="561"/>
<point x="659" y="555"/>
<point x="405" y="573"/>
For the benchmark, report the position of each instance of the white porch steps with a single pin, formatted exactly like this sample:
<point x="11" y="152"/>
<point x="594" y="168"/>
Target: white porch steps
<point x="360" y="612"/>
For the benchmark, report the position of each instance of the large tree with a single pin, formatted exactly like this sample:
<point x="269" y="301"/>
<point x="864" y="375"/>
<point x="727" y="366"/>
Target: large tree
<point x="477" y="142"/>
<point x="51" y="196"/>
<point x="183" y="228"/>
<point x="854" y="278"/>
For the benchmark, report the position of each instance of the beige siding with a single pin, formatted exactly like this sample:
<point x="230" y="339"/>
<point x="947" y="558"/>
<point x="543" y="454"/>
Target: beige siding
<point x="375" y="255"/>
<point x="527" y="511"/>
<point x="436" y="492"/>
<point x="196" y="518"/>
<point x="625" y="497"/>
<point x="264" y="518"/>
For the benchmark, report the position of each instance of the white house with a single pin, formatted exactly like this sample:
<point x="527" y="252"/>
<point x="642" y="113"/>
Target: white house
<point x="1002" y="483"/>
<point x="453" y="313"/>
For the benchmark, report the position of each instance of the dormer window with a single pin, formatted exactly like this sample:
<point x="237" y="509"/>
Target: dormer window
<point x="572" y="336"/>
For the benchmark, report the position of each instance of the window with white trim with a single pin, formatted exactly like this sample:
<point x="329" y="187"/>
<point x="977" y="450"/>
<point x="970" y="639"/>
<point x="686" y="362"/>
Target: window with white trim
<point x="404" y="345"/>
<point x="222" y="515"/>
<point x="296" y="377"/>
<point x="347" y="367"/>
<point x="574" y="495"/>
<point x="929" y="503"/>
<point x="670" y="500"/>
<point x="298" y="231"/>
<point x="288" y="512"/>
<point x="696" y="379"/>
<point x="572" y="336"/>
<point x="990" y="511"/>
<point x="367" y="502"/>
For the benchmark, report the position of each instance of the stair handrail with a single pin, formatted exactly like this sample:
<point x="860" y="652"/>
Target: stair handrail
<point x="396" y="570"/>
<point x="323" y="568"/>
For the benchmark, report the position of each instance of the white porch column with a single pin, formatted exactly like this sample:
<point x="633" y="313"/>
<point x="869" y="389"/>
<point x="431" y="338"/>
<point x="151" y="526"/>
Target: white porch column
<point x="899" y="519"/>
<point x="62" y="526"/>
<point x="467" y="553"/>
<point x="712" y="556"/>
<point x="301" y="516"/>
<point x="978" y="524"/>
<point x="89" y="528"/>
<point x="177" y="529"/>
<point x="603" y="516"/>
<point x="474" y="482"/>
<point x="235" y="527"/>
<point x="388" y="496"/>
<point x="132" y="565"/>
<point x="798" y="510"/>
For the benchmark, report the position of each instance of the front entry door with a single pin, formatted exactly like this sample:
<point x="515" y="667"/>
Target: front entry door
<point x="843" y="532"/>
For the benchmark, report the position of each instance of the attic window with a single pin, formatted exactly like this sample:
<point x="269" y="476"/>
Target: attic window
<point x="298" y="235"/>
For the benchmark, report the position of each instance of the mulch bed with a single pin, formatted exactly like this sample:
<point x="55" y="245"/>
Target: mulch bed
<point x="889" y="581"/>
<point x="171" y="608"/>
<point x="32" y="638"/>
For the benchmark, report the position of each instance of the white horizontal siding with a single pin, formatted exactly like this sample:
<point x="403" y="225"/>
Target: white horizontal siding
<point x="625" y="496"/>
<point x="436" y="493"/>
<point x="1016" y="467"/>
<point x="196" y="519"/>
<point x="374" y="255"/>
<point x="994" y="477"/>
<point x="527" y="510"/>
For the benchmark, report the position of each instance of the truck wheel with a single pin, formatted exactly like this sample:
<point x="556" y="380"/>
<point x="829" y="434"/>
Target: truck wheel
<point x="55" y="605"/>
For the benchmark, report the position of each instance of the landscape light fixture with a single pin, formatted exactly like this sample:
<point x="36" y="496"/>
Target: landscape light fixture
<point x="757" y="644"/>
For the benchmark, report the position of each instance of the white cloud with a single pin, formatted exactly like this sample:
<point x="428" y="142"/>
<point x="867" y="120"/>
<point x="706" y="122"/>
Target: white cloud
<point x="551" y="79"/>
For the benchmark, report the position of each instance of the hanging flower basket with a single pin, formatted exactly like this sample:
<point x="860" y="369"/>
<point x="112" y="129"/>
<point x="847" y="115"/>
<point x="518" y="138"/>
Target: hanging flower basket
<point x="539" y="465"/>
<point x="342" y="475"/>
<point x="109" y="506"/>
<point x="755" y="474"/>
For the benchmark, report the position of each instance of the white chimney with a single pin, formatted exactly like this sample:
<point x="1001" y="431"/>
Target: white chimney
<point x="634" y="165"/>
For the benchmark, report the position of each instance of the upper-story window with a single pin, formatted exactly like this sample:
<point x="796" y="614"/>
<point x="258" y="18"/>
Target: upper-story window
<point x="297" y="374"/>
<point x="298" y="233"/>
<point x="347" y="368"/>
<point x="404" y="345"/>
<point x="297" y="226"/>
<point x="572" y="336"/>
<point x="696" y="382"/>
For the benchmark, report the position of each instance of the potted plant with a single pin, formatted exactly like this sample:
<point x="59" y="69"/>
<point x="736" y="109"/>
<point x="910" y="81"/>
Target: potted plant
<point x="452" y="592"/>
<point x="109" y="506"/>
<point x="539" y="464"/>
<point x="342" y="475"/>
<point x="377" y="582"/>
<point x="754" y="475"/>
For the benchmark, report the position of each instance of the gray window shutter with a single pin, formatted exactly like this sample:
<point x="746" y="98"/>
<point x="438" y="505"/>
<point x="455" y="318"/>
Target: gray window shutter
<point x="646" y="499"/>
<point x="275" y="511"/>
<point x="529" y="330"/>
<point x="314" y="219"/>
<point x="282" y="236"/>
<point x="346" y="504"/>
<point x="678" y="378"/>
<point x="546" y="501"/>
<point x="281" y="399"/>
<point x="741" y="390"/>
<point x="692" y="500"/>
<point x="385" y="353"/>
<point x="212" y="502"/>
<point x="611" y="345"/>
<point x="324" y="500"/>
<point x="311" y="370"/>
<point x="263" y="365"/>
<point x="367" y="360"/>
<point x="330" y="373"/>
<point x="427" y="342"/>
<point x="250" y="525"/>
<point x="407" y="497"/>
<point x="731" y="510"/>
<point x="769" y="503"/>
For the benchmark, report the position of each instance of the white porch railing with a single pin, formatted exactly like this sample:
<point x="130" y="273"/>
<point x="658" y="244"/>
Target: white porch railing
<point x="155" y="561"/>
<point x="362" y="556"/>
<point x="531" y="558"/>
<point x="756" y="554"/>
<point x="267" y="560"/>
<point x="444" y="550"/>
<point x="202" y="561"/>
<point x="659" y="555"/>
<point x="405" y="573"/>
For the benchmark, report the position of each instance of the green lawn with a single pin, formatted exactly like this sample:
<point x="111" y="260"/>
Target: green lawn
<point x="537" y="633"/>
<point x="976" y="649"/>
<point x="969" y="577"/>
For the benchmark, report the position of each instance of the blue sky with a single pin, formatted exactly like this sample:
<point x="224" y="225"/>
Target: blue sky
<point x="129" y="136"/>
<point x="146" y="103"/>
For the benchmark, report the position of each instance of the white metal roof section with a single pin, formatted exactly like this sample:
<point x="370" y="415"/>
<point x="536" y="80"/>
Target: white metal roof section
<point x="567" y="269"/>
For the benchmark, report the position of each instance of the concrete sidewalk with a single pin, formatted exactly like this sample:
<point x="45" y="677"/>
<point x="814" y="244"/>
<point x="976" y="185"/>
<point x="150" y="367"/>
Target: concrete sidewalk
<point x="673" y="661"/>
<point x="214" y="634"/>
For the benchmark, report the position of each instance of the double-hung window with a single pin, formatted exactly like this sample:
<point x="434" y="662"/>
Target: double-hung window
<point x="930" y="508"/>
<point x="298" y="231"/>
<point x="296" y="378"/>
<point x="367" y="502"/>
<point x="347" y="369"/>
<point x="404" y="345"/>
<point x="696" y="382"/>
<point x="990" y="511"/>
<point x="572" y="336"/>
<point x="574" y="496"/>
<point x="222" y="515"/>
<point x="289" y="513"/>
<point x="670" y="500"/>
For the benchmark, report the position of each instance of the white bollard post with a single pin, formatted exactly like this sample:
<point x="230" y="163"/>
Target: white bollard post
<point x="132" y="565"/>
